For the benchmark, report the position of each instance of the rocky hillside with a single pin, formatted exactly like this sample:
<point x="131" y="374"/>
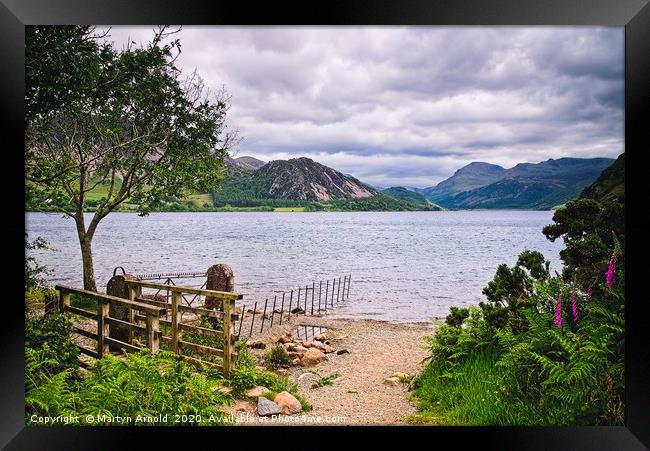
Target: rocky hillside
<point x="305" y="179"/>
<point x="525" y="186"/>
<point x="243" y="163"/>
<point x="610" y="186"/>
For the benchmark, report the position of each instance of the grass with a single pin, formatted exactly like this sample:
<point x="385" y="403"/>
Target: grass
<point x="323" y="381"/>
<point x="289" y="209"/>
<point x="468" y="395"/>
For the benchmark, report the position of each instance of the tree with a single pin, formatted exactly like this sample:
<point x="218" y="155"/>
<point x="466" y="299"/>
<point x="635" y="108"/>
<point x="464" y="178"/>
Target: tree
<point x="123" y="119"/>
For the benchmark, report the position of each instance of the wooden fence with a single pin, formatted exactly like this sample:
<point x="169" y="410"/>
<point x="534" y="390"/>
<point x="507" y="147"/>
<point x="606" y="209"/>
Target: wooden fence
<point x="146" y="316"/>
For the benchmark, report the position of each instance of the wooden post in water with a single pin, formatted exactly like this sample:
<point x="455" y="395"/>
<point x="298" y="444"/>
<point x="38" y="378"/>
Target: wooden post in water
<point x="250" y="334"/>
<point x="298" y="303"/>
<point x="349" y="279"/>
<point x="264" y="315"/>
<point x="320" y="290"/>
<point x="332" y="300"/>
<point x="153" y="329"/>
<point x="273" y="309"/>
<point x="227" y="337"/>
<point x="282" y="308"/>
<point x="343" y="293"/>
<point x="327" y="289"/>
<point x="313" y="290"/>
<point x="338" y="291"/>
<point x="102" y="328"/>
<point x="306" y="293"/>
<point x="176" y="296"/>
<point x="290" y="299"/>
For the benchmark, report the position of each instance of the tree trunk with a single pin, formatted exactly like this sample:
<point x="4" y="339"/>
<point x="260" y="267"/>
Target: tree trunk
<point x="88" y="268"/>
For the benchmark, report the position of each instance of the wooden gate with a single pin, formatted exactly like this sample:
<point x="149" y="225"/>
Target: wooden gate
<point x="159" y="323"/>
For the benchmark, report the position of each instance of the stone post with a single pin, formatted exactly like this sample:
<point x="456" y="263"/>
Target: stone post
<point x="220" y="278"/>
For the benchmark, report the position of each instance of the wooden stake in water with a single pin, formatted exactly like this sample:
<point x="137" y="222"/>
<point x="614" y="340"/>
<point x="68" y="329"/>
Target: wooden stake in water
<point x="241" y="320"/>
<point x="332" y="300"/>
<point x="282" y="308"/>
<point x="306" y="293"/>
<point x="343" y="294"/>
<point x="313" y="291"/>
<point x="290" y="299"/>
<point x="327" y="289"/>
<point x="273" y="309"/>
<point x="250" y="334"/>
<point x="298" y="303"/>
<point x="266" y="301"/>
<point x="320" y="290"/>
<point x="338" y="291"/>
<point x="349" y="279"/>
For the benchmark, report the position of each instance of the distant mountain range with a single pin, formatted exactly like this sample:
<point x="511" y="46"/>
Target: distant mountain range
<point x="301" y="181"/>
<point x="538" y="186"/>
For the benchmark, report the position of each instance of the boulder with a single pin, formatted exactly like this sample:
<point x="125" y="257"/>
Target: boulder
<point x="295" y="361"/>
<point x="287" y="338"/>
<point x="297" y="310"/>
<point x="342" y="351"/>
<point x="309" y="344"/>
<point x="288" y="403"/>
<point x="256" y="344"/>
<point x="300" y="350"/>
<point x="266" y="407"/>
<point x="391" y="381"/>
<point x="312" y="357"/>
<point x="320" y="337"/>
<point x="256" y="392"/>
<point x="326" y="349"/>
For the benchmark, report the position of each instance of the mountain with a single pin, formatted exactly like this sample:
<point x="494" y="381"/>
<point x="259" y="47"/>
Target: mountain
<point x="406" y="195"/>
<point x="525" y="186"/>
<point x="474" y="175"/>
<point x="610" y="185"/>
<point x="244" y="163"/>
<point x="301" y="182"/>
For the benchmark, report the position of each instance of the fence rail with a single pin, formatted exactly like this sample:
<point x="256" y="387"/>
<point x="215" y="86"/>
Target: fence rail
<point x="153" y="314"/>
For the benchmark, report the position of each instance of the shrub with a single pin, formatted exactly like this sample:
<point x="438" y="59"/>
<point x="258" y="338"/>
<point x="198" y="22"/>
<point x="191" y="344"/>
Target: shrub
<point x="278" y="356"/>
<point x="51" y="335"/>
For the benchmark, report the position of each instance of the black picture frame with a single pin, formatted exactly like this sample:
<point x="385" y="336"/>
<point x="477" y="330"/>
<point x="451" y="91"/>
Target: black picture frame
<point x="634" y="15"/>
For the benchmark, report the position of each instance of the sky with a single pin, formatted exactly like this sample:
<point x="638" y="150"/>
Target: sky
<point x="408" y="106"/>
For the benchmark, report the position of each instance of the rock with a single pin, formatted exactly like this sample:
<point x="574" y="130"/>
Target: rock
<point x="296" y="361"/>
<point x="266" y="407"/>
<point x="294" y="355"/>
<point x="320" y="337"/>
<point x="342" y="351"/>
<point x="224" y="390"/>
<point x="300" y="350"/>
<point x="256" y="392"/>
<point x="312" y="357"/>
<point x="288" y="403"/>
<point x="287" y="338"/>
<point x="309" y="344"/>
<point x="326" y="349"/>
<point x="391" y="381"/>
<point x="239" y="406"/>
<point x="256" y="344"/>
<point x="297" y="310"/>
<point x="401" y="375"/>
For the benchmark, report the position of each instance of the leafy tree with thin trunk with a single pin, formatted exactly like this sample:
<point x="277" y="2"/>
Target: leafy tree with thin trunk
<point x="125" y="119"/>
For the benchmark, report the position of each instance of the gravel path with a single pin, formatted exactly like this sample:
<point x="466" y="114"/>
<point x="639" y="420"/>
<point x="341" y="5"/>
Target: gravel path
<point x="377" y="350"/>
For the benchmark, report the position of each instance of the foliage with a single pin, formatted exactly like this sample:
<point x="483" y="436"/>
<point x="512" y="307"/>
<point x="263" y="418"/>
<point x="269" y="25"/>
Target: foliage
<point x="33" y="271"/>
<point x="278" y="357"/>
<point x="50" y="335"/>
<point x="542" y="350"/>
<point x="323" y="381"/>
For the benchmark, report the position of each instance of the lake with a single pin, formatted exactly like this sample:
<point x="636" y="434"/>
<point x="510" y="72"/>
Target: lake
<point x="405" y="266"/>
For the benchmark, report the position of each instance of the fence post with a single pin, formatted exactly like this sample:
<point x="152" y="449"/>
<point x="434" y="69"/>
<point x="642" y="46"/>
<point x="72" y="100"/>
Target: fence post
<point x="102" y="328"/>
<point x="134" y="291"/>
<point x="175" y="332"/>
<point x="349" y="280"/>
<point x="227" y="341"/>
<point x="153" y="329"/>
<point x="64" y="300"/>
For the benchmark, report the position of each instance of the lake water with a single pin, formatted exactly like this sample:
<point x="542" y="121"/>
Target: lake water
<point x="405" y="266"/>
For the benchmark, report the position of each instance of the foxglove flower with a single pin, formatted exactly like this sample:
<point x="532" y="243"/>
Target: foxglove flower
<point x="590" y="293"/>
<point x="611" y="272"/>
<point x="574" y="307"/>
<point x="558" y="311"/>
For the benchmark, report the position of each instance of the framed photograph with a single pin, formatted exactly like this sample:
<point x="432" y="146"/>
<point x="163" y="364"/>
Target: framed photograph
<point x="410" y="218"/>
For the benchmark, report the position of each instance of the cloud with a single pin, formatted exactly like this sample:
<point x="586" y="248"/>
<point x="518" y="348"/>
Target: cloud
<point x="410" y="105"/>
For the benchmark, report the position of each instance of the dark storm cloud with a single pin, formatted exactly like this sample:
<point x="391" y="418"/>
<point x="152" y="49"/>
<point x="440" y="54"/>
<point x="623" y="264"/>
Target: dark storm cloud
<point x="410" y="105"/>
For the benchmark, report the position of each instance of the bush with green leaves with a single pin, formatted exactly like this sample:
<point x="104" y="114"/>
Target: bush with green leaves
<point x="541" y="350"/>
<point x="278" y="357"/>
<point x="51" y="335"/>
